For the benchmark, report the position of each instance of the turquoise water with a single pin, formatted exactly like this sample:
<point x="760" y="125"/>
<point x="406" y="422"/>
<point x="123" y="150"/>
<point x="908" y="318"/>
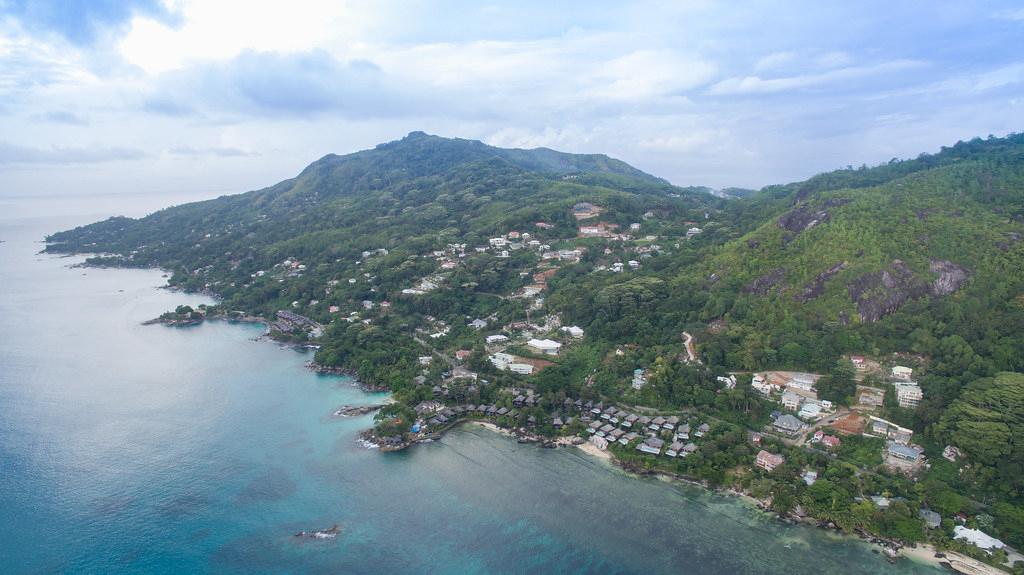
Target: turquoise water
<point x="131" y="449"/>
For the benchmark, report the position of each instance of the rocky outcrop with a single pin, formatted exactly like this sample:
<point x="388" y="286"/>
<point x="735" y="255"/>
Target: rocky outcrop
<point x="766" y="283"/>
<point x="1011" y="239"/>
<point x="951" y="277"/>
<point x="880" y="293"/>
<point x="803" y="218"/>
<point x="817" y="287"/>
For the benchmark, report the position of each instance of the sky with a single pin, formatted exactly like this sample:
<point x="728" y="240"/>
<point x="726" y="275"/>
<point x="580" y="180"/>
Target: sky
<point x="209" y="97"/>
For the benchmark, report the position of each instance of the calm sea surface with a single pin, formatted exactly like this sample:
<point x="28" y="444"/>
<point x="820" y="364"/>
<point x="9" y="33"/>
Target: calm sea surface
<point x="131" y="449"/>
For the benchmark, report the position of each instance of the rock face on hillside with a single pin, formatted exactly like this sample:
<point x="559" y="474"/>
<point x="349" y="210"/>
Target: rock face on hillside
<point x="803" y="218"/>
<point x="883" y="292"/>
<point x="951" y="277"/>
<point x="764" y="284"/>
<point x="817" y="287"/>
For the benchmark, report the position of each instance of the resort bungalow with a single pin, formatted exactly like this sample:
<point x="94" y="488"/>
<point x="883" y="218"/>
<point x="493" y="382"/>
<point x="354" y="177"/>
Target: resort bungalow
<point x="630" y="420"/>
<point x="670" y="423"/>
<point x="616" y="435"/>
<point x="683" y="431"/>
<point x="768" y="461"/>
<point x="651" y="445"/>
<point x="544" y="346"/>
<point x="688" y="449"/>
<point x="788" y="425"/>
<point x="557" y="422"/>
<point x="674" y="449"/>
<point x="605" y="429"/>
<point x="702" y="430"/>
<point x="597" y="409"/>
<point x="628" y="438"/>
<point x="656" y="423"/>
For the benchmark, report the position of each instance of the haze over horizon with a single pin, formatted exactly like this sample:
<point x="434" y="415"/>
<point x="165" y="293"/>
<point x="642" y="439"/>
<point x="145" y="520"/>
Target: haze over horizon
<point x="224" y="97"/>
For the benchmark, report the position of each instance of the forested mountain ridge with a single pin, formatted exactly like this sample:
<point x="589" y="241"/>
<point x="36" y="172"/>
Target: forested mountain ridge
<point x="396" y="250"/>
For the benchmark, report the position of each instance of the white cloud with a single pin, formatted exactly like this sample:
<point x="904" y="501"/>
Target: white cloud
<point x="758" y="85"/>
<point x="774" y="61"/>
<point x="223" y="29"/>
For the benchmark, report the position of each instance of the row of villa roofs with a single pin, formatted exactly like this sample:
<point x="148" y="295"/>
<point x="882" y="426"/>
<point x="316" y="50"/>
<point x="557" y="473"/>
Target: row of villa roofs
<point x="288" y="322"/>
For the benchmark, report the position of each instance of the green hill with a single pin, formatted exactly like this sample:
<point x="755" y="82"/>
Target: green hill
<point x="395" y="250"/>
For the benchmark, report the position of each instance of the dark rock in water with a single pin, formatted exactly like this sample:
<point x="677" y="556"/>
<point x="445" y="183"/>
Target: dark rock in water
<point x="885" y="291"/>
<point x="951" y="277"/>
<point x="354" y="410"/>
<point x="329" y="533"/>
<point x="817" y="287"/>
<point x="764" y="284"/>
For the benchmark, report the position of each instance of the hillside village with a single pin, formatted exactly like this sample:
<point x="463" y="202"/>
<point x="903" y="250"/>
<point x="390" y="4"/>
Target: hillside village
<point x="616" y="311"/>
<point x="641" y="437"/>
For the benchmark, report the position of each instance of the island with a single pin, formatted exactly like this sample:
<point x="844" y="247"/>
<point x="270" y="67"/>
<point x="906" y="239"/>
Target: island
<point x="844" y="351"/>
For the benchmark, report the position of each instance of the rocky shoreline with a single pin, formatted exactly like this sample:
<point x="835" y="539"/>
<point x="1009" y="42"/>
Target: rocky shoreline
<point x="183" y="322"/>
<point x="356" y="410"/>
<point x="892" y="550"/>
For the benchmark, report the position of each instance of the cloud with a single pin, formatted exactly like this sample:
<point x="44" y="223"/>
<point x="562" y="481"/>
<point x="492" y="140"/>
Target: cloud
<point x="774" y="61"/>
<point x="81" y="22"/>
<point x="61" y="117"/>
<point x="14" y="154"/>
<point x="221" y="152"/>
<point x="280" y="85"/>
<point x="756" y="85"/>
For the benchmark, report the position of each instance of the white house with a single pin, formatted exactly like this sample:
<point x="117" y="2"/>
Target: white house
<point x="902" y="373"/>
<point x="502" y="360"/>
<point x="639" y="379"/>
<point x="574" y="331"/>
<point x="909" y="395"/>
<point x="521" y="368"/>
<point x="978" y="538"/>
<point x="545" y="346"/>
<point x="496" y="338"/>
<point x="498" y="242"/>
<point x="810" y="411"/>
<point x="791" y="400"/>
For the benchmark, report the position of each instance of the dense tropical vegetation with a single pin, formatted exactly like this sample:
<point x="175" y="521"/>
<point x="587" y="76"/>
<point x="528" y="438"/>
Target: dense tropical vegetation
<point x="923" y="258"/>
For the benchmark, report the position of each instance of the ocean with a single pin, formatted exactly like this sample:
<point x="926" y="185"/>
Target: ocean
<point x="147" y="449"/>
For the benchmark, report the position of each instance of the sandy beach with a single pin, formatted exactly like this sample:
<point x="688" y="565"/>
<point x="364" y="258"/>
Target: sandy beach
<point x="491" y="426"/>
<point x="925" y="553"/>
<point x="591" y="449"/>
